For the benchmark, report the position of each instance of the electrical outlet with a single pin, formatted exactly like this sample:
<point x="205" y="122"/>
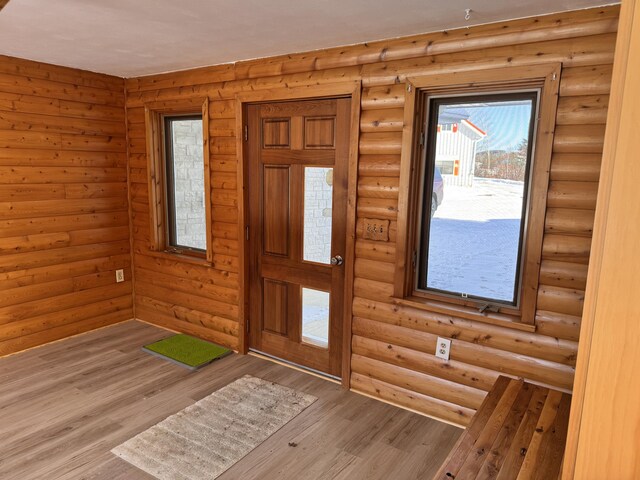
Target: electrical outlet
<point x="443" y="348"/>
<point x="119" y="276"/>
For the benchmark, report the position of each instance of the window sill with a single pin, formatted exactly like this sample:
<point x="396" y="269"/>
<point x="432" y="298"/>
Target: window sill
<point x="180" y="257"/>
<point x="498" y="319"/>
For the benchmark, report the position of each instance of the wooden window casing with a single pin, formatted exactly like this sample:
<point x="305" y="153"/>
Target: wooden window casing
<point x="546" y="79"/>
<point x="155" y="115"/>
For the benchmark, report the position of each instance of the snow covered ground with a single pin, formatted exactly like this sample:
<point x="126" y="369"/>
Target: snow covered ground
<point x="473" y="243"/>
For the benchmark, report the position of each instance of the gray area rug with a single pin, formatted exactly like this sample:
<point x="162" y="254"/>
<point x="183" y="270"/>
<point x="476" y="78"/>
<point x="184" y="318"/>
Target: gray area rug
<point x="208" y="437"/>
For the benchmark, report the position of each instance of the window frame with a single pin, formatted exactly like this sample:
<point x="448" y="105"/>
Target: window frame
<point x="428" y="164"/>
<point x="156" y="115"/>
<point x="546" y="78"/>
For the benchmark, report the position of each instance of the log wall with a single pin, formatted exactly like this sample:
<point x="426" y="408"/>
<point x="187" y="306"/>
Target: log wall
<point x="393" y="345"/>
<point x="64" y="221"/>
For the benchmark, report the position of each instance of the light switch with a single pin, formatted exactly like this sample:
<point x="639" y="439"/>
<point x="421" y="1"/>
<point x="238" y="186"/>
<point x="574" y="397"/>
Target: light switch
<point x="377" y="230"/>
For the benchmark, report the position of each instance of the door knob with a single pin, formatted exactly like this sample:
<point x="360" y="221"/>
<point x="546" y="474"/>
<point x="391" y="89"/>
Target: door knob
<point x="337" y="260"/>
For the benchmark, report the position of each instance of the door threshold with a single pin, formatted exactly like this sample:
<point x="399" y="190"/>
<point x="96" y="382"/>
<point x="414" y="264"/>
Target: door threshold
<point x="295" y="366"/>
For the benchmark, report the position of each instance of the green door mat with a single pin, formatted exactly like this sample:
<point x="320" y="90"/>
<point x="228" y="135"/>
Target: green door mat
<point x="187" y="351"/>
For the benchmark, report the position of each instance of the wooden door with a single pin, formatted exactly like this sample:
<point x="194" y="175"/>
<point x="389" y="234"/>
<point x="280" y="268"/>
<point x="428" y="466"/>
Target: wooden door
<point x="298" y="166"/>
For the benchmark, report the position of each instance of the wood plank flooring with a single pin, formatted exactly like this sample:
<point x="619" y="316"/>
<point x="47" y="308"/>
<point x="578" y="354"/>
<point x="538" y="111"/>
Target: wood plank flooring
<point x="65" y="405"/>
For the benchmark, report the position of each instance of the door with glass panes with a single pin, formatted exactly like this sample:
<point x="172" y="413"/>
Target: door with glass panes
<point x="298" y="160"/>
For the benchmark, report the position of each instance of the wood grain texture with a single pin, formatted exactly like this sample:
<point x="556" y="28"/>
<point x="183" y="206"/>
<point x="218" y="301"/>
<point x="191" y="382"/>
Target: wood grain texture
<point x="200" y="297"/>
<point x="509" y="33"/>
<point x="66" y="405"/>
<point x="606" y="385"/>
<point x="519" y="432"/>
<point x="64" y="226"/>
<point x="582" y="42"/>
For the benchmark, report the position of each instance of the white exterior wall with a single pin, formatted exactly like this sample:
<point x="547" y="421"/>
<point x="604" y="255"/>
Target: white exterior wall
<point x="318" y="195"/>
<point x="460" y="145"/>
<point x="189" y="184"/>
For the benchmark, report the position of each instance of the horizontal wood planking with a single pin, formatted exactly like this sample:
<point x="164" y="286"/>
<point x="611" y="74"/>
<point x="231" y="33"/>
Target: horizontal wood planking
<point x="194" y="298"/>
<point x="56" y="158"/>
<point x="389" y="360"/>
<point x="529" y="30"/>
<point x="64" y="222"/>
<point x="577" y="52"/>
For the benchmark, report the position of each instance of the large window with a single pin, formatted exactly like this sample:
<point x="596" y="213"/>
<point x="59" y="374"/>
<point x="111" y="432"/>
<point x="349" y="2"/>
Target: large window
<point x="185" y="186"/>
<point x="477" y="168"/>
<point x="473" y="192"/>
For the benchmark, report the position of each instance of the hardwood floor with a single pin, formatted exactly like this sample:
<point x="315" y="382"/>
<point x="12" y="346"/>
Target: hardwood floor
<point x="65" y="405"/>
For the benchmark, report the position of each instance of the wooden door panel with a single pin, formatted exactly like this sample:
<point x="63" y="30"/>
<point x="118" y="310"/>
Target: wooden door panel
<point x="275" y="132"/>
<point x="295" y="109"/>
<point x="314" y="276"/>
<point x="319" y="132"/>
<point x="301" y="354"/>
<point x="275" y="306"/>
<point x="285" y="140"/>
<point x="298" y="157"/>
<point x="275" y="206"/>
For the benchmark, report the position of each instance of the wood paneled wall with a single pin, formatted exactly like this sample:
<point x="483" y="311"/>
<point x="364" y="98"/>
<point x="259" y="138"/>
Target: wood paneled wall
<point x="603" y="432"/>
<point x="64" y="221"/>
<point x="393" y="344"/>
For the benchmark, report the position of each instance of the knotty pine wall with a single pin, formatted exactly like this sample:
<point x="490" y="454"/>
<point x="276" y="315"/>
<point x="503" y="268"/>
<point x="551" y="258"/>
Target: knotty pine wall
<point x="392" y="344"/>
<point x="64" y="221"/>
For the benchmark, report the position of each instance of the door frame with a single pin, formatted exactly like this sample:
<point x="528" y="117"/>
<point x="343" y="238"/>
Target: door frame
<point x="350" y="89"/>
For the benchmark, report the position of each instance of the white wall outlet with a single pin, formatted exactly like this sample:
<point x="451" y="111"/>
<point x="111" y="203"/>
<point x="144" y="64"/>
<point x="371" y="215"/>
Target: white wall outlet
<point x="443" y="348"/>
<point x="119" y="276"/>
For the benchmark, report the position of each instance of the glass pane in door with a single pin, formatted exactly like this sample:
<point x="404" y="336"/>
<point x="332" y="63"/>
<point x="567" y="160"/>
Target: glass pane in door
<point x="318" y="201"/>
<point x="315" y="317"/>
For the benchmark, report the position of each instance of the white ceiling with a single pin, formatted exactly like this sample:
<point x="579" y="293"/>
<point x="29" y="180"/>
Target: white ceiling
<point x="139" y="37"/>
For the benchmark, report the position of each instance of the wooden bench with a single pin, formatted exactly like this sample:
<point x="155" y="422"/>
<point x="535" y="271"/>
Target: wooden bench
<point x="519" y="432"/>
